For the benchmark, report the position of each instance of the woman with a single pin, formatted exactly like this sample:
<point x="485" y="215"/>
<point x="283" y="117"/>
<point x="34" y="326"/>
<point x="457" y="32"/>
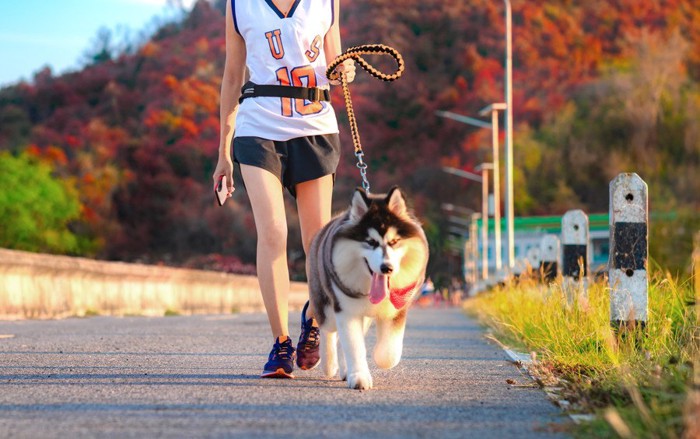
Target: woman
<point x="281" y="141"/>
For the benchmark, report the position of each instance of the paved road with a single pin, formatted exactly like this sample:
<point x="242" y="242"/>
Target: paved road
<point x="198" y="377"/>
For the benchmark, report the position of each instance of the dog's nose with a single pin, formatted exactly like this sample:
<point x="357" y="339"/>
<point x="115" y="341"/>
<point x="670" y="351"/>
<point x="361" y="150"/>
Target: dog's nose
<point x="386" y="268"/>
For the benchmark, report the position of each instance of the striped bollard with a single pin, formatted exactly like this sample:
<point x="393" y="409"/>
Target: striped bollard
<point x="574" y="239"/>
<point x="533" y="258"/>
<point x="627" y="268"/>
<point x="549" y="257"/>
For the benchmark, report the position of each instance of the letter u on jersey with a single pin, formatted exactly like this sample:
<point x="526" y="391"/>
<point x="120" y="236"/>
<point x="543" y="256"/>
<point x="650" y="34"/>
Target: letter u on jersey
<point x="275" y="41"/>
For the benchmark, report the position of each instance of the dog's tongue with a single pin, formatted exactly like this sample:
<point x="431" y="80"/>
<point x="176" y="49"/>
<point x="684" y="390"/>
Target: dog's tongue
<point x="379" y="289"/>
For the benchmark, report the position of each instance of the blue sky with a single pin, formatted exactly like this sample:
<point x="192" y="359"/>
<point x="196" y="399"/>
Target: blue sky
<point x="57" y="33"/>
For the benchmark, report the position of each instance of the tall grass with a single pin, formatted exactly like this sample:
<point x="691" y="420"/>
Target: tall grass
<point x="636" y="380"/>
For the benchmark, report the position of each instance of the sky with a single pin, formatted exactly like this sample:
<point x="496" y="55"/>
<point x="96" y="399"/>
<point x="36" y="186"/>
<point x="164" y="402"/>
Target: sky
<point x="39" y="33"/>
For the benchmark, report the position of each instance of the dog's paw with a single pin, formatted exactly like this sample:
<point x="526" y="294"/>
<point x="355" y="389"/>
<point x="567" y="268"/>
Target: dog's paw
<point x="360" y="380"/>
<point x="387" y="358"/>
<point x="342" y="371"/>
<point x="330" y="370"/>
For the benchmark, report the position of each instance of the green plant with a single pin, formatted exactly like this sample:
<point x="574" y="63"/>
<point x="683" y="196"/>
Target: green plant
<point x="638" y="379"/>
<point x="36" y="209"/>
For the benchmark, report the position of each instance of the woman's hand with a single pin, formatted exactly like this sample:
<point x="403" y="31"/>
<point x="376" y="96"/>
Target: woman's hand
<point x="224" y="167"/>
<point x="347" y="67"/>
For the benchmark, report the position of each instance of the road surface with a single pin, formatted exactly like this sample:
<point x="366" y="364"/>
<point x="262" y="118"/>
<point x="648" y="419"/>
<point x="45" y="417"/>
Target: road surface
<point x="198" y="377"/>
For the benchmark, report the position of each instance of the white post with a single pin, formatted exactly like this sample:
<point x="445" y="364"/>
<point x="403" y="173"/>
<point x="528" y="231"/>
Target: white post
<point x="533" y="258"/>
<point x="473" y="233"/>
<point x="549" y="255"/>
<point x="509" y="138"/>
<point x="484" y="223"/>
<point x="629" y="215"/>
<point x="496" y="190"/>
<point x="574" y="237"/>
<point x="466" y="262"/>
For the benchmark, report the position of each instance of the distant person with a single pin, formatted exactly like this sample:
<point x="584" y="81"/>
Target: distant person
<point x="428" y="287"/>
<point x="281" y="141"/>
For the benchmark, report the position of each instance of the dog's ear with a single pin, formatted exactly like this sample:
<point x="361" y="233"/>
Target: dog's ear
<point x="360" y="204"/>
<point x="396" y="202"/>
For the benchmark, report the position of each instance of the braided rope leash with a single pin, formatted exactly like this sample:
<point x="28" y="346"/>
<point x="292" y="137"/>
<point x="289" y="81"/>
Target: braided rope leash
<point x="356" y="54"/>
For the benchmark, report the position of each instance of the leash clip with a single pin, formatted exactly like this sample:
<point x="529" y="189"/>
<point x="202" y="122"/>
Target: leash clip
<point x="362" y="166"/>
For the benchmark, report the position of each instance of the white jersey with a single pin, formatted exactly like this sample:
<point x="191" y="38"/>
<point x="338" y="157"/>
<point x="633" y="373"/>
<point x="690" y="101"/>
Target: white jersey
<point x="284" y="50"/>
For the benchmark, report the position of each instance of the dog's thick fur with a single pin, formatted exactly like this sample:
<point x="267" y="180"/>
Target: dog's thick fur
<point x="368" y="262"/>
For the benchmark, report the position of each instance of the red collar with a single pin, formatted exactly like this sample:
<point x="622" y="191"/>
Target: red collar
<point x="399" y="296"/>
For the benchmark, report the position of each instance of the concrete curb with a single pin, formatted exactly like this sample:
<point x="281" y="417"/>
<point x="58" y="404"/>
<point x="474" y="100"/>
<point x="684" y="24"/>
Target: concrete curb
<point x="524" y="362"/>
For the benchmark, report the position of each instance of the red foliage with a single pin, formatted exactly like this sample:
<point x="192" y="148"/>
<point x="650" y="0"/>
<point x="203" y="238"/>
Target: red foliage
<point x="140" y="133"/>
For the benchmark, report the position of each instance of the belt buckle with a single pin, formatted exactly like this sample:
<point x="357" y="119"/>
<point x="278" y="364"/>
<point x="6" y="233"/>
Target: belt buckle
<point x="315" y="94"/>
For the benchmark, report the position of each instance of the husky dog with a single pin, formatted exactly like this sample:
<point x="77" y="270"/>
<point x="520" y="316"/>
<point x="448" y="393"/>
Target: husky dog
<point x="366" y="263"/>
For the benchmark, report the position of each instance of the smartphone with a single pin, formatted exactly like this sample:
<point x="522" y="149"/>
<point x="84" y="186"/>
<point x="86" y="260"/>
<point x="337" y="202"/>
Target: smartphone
<point x="221" y="191"/>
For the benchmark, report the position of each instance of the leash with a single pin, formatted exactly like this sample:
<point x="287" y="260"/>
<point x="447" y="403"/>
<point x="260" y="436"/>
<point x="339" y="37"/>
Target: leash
<point x="356" y="54"/>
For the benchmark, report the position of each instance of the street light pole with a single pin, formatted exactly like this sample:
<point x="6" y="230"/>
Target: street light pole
<point x="473" y="249"/>
<point x="484" y="168"/>
<point x="463" y="119"/>
<point x="509" y="138"/>
<point x="462" y="173"/>
<point x="483" y="179"/>
<point x="493" y="109"/>
<point x="470" y="251"/>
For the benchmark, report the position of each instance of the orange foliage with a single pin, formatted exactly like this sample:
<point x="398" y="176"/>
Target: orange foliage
<point x="56" y="155"/>
<point x="134" y="130"/>
<point x="150" y="49"/>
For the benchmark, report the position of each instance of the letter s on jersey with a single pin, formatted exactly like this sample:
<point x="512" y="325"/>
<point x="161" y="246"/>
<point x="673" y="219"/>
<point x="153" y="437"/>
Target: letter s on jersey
<point x="314" y="50"/>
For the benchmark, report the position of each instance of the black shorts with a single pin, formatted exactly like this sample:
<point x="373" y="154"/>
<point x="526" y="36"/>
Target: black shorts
<point x="293" y="161"/>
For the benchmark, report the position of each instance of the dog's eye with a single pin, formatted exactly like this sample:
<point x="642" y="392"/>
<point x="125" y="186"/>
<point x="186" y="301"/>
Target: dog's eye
<point x="393" y="242"/>
<point x="372" y="243"/>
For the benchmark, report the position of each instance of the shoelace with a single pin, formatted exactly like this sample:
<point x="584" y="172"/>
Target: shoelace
<point x="313" y="338"/>
<point x="282" y="351"/>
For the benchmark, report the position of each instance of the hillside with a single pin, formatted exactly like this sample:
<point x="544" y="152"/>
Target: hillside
<point x="599" y="88"/>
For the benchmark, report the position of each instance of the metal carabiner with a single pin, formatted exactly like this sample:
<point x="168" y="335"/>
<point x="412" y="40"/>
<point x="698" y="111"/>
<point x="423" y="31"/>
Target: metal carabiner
<point x="362" y="166"/>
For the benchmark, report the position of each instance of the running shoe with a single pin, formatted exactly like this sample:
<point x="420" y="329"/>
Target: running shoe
<point x="308" y="355"/>
<point x="280" y="364"/>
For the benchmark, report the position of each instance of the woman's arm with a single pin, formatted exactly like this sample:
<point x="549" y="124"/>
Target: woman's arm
<point x="231" y="83"/>
<point x="332" y="47"/>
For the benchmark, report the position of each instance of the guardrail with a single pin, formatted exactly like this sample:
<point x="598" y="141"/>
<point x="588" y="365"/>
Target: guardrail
<point x="47" y="286"/>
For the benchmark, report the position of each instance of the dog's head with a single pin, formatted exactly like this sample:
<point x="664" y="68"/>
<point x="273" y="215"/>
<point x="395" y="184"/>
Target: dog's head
<point x="390" y="242"/>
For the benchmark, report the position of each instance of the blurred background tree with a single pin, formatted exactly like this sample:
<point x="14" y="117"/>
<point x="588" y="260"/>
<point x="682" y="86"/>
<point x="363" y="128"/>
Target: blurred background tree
<point x="37" y="213"/>
<point x="599" y="88"/>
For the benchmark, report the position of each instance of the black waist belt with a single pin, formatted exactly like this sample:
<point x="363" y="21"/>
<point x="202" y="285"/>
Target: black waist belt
<point x="251" y="90"/>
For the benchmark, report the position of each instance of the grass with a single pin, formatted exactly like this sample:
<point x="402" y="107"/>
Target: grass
<point x="636" y="382"/>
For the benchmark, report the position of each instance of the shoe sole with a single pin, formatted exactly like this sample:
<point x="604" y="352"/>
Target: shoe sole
<point x="309" y="368"/>
<point x="279" y="373"/>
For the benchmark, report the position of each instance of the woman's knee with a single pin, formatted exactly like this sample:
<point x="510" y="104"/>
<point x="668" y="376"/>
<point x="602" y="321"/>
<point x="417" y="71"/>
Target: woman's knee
<point x="273" y="236"/>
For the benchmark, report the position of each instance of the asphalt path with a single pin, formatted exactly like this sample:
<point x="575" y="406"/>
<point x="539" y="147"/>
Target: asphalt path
<point x="199" y="377"/>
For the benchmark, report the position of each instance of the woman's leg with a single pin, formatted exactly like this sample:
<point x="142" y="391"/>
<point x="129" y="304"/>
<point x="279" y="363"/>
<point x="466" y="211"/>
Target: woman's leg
<point x="266" y="198"/>
<point x="314" y="200"/>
